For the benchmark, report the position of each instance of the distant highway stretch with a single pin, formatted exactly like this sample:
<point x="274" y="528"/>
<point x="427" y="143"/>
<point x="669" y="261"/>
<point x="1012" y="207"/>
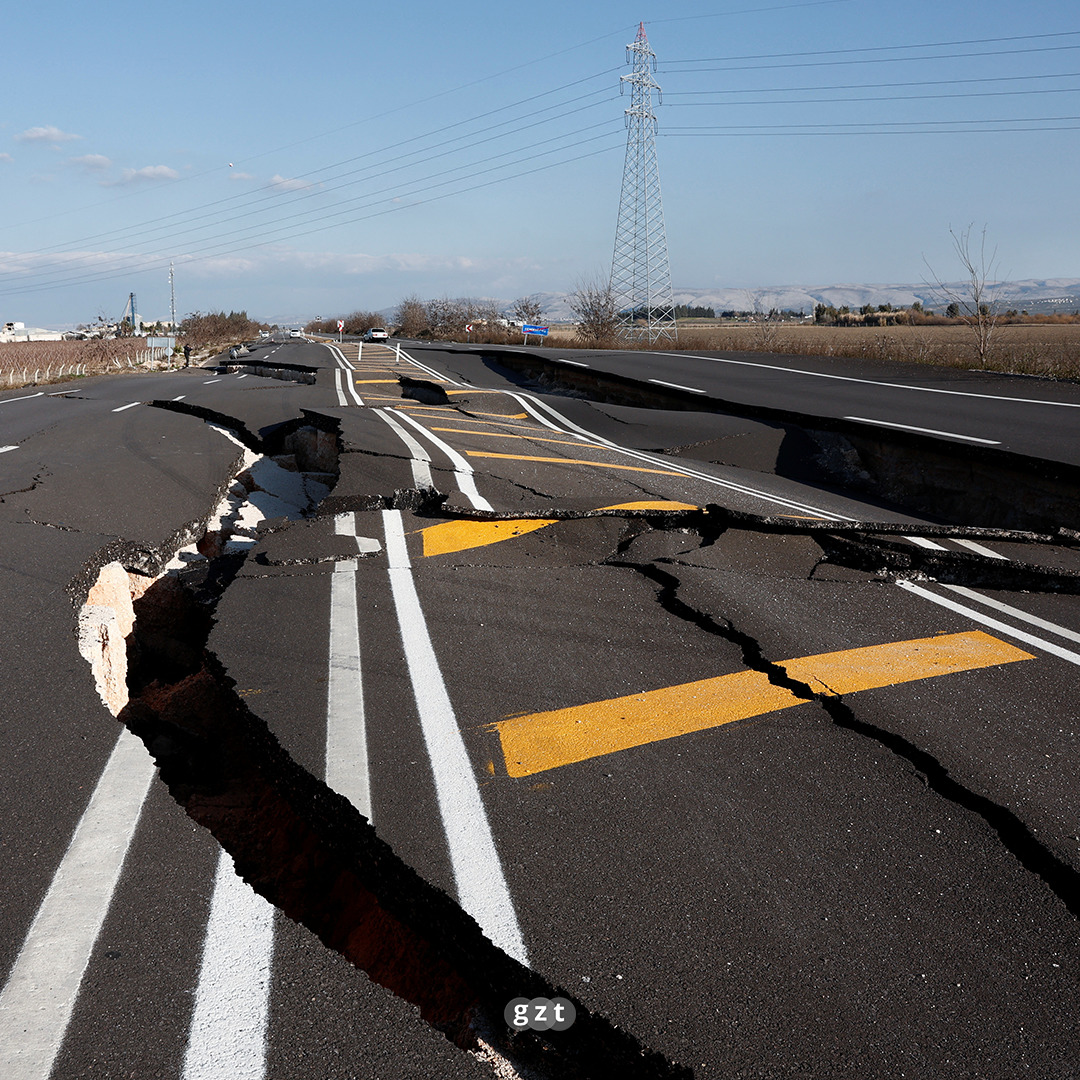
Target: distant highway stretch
<point x="749" y="731"/>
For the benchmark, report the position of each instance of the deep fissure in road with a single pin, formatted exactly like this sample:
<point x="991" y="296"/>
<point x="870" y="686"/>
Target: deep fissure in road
<point x="298" y="843"/>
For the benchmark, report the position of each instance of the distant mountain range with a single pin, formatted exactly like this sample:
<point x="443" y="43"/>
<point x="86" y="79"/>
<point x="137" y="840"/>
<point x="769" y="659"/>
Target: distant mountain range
<point x="1041" y="296"/>
<point x="1036" y="295"/>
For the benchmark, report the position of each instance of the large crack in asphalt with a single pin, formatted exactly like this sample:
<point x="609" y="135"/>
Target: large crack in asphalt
<point x="1014" y="835"/>
<point x="145" y="621"/>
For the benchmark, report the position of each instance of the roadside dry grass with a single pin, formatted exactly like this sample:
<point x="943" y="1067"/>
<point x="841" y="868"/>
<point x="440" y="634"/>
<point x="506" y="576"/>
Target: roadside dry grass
<point x="35" y="363"/>
<point x="1051" y="351"/>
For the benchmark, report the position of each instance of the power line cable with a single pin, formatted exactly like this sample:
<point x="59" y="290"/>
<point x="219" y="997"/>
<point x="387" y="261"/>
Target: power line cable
<point x="877" y="48"/>
<point x="157" y="262"/>
<point x="174" y="233"/>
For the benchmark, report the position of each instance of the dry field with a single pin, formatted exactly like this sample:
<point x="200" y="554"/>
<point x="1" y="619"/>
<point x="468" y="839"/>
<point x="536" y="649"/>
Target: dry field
<point x="1051" y="350"/>
<point x="32" y="363"/>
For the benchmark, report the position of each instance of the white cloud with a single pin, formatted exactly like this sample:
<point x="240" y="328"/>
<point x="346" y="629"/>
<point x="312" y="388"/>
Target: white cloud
<point x="92" y="162"/>
<point x="148" y="172"/>
<point x="48" y="134"/>
<point x="241" y="176"/>
<point x="6" y="157"/>
<point x="283" y="183"/>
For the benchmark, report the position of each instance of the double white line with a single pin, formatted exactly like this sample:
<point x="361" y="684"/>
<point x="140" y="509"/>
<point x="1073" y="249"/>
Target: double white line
<point x="343" y="376"/>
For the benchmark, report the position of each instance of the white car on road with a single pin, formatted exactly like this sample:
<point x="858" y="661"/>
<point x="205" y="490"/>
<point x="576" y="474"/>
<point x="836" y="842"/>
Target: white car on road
<point x="376" y="333"/>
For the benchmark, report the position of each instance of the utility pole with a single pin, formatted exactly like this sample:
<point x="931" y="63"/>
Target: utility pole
<point x="640" y="273"/>
<point x="172" y="300"/>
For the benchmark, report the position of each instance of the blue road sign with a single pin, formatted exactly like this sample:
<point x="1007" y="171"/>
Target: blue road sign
<point x="541" y="330"/>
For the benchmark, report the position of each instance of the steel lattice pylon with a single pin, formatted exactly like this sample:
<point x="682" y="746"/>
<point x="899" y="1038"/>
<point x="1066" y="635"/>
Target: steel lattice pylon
<point x="640" y="273"/>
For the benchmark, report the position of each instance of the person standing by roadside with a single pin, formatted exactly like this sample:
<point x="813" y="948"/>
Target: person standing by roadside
<point x="187" y="356"/>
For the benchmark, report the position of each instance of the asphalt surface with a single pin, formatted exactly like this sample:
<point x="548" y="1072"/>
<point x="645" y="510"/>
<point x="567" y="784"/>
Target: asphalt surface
<point x="1028" y="415"/>
<point x="772" y="814"/>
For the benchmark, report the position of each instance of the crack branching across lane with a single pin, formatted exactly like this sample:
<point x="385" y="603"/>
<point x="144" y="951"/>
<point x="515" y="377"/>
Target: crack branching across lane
<point x="1013" y="833"/>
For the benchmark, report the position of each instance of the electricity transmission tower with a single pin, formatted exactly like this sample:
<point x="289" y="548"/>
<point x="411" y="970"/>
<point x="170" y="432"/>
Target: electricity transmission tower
<point x="640" y="274"/>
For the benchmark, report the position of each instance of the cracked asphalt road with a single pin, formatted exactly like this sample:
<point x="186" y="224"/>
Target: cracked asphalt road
<point x="650" y="789"/>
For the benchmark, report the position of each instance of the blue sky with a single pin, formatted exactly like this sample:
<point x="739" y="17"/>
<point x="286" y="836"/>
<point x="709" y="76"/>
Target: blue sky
<point x="299" y="161"/>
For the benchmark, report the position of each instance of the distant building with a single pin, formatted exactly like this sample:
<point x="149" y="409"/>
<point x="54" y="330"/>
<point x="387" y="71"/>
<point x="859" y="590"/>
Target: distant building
<point x="17" y="331"/>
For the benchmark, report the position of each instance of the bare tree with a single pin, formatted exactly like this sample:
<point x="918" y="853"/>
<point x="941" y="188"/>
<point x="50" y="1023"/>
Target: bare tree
<point x="359" y="322"/>
<point x="976" y="300"/>
<point x="527" y="310"/>
<point x="596" y="312"/>
<point x="767" y="323"/>
<point x="411" y="318"/>
<point x="446" y="317"/>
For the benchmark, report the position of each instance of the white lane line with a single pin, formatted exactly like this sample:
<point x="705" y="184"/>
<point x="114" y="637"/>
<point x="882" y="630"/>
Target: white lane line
<point x="227" y="1038"/>
<point x="5" y="449"/>
<point x="207" y="382"/>
<point x="533" y="406"/>
<point x="462" y="469"/>
<point x="244" y="376"/>
<point x="868" y="382"/>
<point x="129" y="406"/>
<point x="179" y="397"/>
<point x="346" y="733"/>
<point x="924" y="430"/>
<point x="923" y="542"/>
<point x="420" y="461"/>
<point x="481" y="887"/>
<point x="930" y="545"/>
<point x="677" y="386"/>
<point x="62" y="393"/>
<point x="347" y="376"/>
<point x="995" y="624"/>
<point x="979" y="549"/>
<point x="431" y="371"/>
<point x="1016" y="613"/>
<point x="36" y="1002"/>
<point x="337" y="386"/>
<point x="563" y="360"/>
<point x="339" y="357"/>
<point x="25" y="397"/>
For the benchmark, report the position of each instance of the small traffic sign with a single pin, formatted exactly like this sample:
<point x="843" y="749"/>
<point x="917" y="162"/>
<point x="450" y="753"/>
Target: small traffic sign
<point x="341" y="324"/>
<point x="541" y="330"/>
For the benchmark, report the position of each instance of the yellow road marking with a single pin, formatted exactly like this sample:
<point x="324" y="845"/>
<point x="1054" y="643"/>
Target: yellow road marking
<point x="486" y="423"/>
<point x="371" y="382"/>
<point x="450" y="536"/>
<point x="653" y="504"/>
<point x="571" y="461"/>
<point x="474" y="391"/>
<point x="461" y="535"/>
<point x="531" y="438"/>
<point x="548" y="740"/>
<point x="441" y="414"/>
<point x="502" y="415"/>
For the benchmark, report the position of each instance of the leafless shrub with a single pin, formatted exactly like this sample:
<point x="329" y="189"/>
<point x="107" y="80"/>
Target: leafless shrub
<point x="411" y="318"/>
<point x="447" y="318"/>
<point x="215" y="328"/>
<point x="527" y="310"/>
<point x="596" y="312"/>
